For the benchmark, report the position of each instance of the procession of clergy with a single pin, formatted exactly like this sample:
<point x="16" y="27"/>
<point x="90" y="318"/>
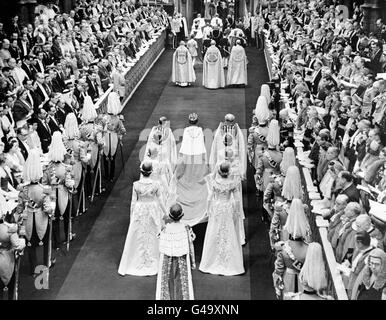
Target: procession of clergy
<point x="214" y="63"/>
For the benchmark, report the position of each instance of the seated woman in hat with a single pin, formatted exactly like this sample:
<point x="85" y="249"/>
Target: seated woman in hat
<point x="174" y="281"/>
<point x="140" y="255"/>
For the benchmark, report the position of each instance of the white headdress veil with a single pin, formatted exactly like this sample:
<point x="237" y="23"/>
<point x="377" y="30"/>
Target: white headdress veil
<point x="313" y="273"/>
<point x="297" y="223"/>
<point x="273" y="137"/>
<point x="88" y="111"/>
<point x="261" y="110"/>
<point x="288" y="160"/>
<point x="71" y="126"/>
<point x="32" y="170"/>
<point x="292" y="186"/>
<point x="114" y="105"/>
<point x="266" y="92"/>
<point x="57" y="150"/>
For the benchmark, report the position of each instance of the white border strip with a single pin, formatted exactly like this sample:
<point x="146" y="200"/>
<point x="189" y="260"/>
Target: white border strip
<point x="143" y="77"/>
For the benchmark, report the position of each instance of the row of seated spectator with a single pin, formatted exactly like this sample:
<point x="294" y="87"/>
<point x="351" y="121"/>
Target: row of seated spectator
<point x="328" y="95"/>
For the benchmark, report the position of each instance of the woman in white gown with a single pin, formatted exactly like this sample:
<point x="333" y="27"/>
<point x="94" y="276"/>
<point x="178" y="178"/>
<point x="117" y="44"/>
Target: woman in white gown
<point x="162" y="172"/>
<point x="222" y="252"/>
<point x="141" y="252"/>
<point x="235" y="175"/>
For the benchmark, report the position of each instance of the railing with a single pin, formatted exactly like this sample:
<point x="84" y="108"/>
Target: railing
<point x="136" y="73"/>
<point x="317" y="223"/>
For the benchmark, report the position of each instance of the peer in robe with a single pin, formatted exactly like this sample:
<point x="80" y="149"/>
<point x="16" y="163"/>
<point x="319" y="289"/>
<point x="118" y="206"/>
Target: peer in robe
<point x="213" y="71"/>
<point x="237" y="66"/>
<point x="182" y="70"/>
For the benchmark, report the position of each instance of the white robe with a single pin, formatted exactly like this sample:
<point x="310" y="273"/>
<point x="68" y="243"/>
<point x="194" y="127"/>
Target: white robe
<point x="213" y="74"/>
<point x="182" y="67"/>
<point x="237" y="66"/>
<point x="193" y="141"/>
<point x="190" y="173"/>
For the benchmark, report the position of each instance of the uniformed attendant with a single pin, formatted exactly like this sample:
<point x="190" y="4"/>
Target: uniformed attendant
<point x="313" y="276"/>
<point x="59" y="175"/>
<point x="92" y="133"/>
<point x="10" y="243"/>
<point x="269" y="162"/>
<point x="291" y="257"/>
<point x="113" y="136"/>
<point x="257" y="138"/>
<point x="81" y="155"/>
<point x="35" y="207"/>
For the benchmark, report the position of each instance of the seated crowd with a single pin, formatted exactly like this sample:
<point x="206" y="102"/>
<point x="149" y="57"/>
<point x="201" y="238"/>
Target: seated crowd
<point x="54" y="74"/>
<point x="327" y="98"/>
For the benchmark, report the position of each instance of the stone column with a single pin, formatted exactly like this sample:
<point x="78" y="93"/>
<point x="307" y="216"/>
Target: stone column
<point x="372" y="10"/>
<point x="27" y="11"/>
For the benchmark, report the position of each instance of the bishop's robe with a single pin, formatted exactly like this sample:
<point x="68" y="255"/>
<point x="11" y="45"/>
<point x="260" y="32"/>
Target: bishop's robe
<point x="213" y="74"/>
<point x="237" y="66"/>
<point x="182" y="71"/>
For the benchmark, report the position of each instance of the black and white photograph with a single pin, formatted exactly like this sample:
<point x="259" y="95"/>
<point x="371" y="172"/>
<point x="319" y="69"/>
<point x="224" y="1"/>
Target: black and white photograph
<point x="206" y="150"/>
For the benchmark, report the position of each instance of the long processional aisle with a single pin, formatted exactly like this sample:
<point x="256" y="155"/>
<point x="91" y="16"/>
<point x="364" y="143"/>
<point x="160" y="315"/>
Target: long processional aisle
<point x="93" y="273"/>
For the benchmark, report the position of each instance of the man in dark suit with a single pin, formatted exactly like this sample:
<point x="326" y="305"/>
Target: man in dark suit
<point x="376" y="54"/>
<point x="61" y="111"/>
<point x="22" y="136"/>
<point x="21" y="108"/>
<point x="42" y="95"/>
<point x="43" y="130"/>
<point x="79" y="91"/>
<point x="345" y="185"/>
<point x="40" y="66"/>
<point x="24" y="45"/>
<point x="14" y="50"/>
<point x="55" y="84"/>
<point x="104" y="74"/>
<point x="93" y="91"/>
<point x="60" y="75"/>
<point x="48" y="55"/>
<point x="28" y="67"/>
<point x="51" y="118"/>
<point x="31" y="95"/>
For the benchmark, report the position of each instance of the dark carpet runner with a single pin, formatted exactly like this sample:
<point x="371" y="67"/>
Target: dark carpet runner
<point x="89" y="270"/>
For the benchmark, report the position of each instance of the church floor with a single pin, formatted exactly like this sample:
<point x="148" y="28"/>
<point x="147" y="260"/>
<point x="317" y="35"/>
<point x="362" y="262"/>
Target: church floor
<point x="89" y="269"/>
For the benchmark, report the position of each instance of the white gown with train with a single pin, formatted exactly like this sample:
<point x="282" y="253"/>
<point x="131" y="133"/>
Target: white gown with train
<point x="190" y="176"/>
<point x="140" y="255"/>
<point x="222" y="252"/>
